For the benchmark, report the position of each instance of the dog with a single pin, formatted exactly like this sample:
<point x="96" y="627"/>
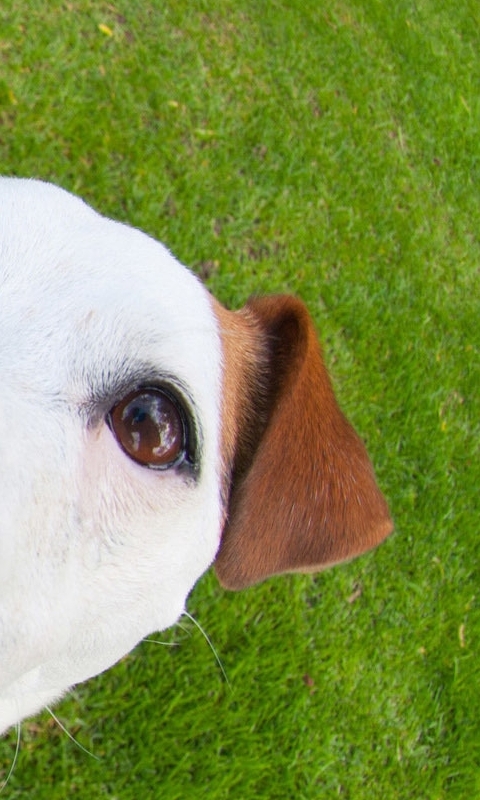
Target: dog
<point x="147" y="432"/>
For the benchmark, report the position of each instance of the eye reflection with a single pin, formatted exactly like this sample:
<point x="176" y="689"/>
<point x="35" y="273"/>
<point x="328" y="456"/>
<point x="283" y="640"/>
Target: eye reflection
<point x="149" y="426"/>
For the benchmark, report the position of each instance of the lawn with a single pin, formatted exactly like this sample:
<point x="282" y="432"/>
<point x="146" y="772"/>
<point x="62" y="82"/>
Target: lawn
<point x="331" y="150"/>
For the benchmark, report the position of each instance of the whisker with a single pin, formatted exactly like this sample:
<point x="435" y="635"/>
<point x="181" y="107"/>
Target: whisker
<point x="15" y="757"/>
<point x="184" y="627"/>
<point x="205" y="635"/>
<point x="157" y="641"/>
<point x="72" y="738"/>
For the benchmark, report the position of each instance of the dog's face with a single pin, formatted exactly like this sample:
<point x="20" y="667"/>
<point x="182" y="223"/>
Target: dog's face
<point x="146" y="431"/>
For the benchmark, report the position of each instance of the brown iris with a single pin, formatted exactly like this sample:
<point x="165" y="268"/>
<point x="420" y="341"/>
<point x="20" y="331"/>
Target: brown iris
<point x="149" y="426"/>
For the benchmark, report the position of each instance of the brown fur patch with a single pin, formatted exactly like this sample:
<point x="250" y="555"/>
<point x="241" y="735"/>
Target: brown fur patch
<point x="302" y="492"/>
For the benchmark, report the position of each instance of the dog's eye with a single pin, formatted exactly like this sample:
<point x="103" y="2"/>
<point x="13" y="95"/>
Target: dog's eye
<point x="150" y="427"/>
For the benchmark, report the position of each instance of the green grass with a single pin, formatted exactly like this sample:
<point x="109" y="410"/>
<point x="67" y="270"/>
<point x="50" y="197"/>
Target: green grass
<point x="331" y="150"/>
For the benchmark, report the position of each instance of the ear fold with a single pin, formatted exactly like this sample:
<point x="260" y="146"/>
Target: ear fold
<point x="305" y="496"/>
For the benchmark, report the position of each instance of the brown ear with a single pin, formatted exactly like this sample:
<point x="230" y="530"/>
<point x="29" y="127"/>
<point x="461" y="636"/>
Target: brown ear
<point x="303" y="492"/>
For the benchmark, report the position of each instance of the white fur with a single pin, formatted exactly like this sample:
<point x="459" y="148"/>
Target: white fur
<point x="95" y="551"/>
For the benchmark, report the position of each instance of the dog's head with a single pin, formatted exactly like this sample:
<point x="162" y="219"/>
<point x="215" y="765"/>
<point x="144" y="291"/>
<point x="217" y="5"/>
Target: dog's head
<point x="146" y="433"/>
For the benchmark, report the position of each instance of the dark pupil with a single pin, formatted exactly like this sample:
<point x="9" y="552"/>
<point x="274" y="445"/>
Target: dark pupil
<point x="139" y="415"/>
